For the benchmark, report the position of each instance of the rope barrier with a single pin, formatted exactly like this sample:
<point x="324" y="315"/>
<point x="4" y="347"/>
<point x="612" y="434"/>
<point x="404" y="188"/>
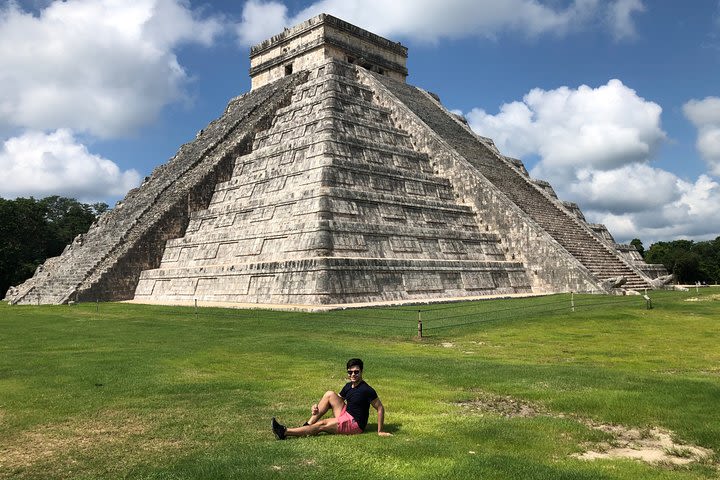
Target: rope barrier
<point x="406" y="318"/>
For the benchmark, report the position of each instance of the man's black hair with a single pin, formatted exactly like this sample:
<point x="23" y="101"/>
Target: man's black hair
<point x="355" y="362"/>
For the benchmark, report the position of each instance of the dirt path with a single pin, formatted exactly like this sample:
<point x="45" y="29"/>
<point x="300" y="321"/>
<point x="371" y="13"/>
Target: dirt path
<point x="652" y="445"/>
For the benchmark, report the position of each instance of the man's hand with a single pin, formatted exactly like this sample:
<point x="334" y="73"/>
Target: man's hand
<point x="385" y="434"/>
<point x="314" y="410"/>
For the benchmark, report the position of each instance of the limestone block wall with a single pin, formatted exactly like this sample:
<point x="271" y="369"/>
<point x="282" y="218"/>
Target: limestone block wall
<point x="309" y="44"/>
<point x="601" y="231"/>
<point x="329" y="280"/>
<point x="291" y="62"/>
<point x="332" y="205"/>
<point x="574" y="209"/>
<point x="545" y="186"/>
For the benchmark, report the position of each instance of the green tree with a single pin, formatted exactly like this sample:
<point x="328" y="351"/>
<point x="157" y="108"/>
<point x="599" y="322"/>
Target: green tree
<point x="660" y="252"/>
<point x="687" y="267"/>
<point x="638" y="246"/>
<point x="66" y="217"/>
<point x="23" y="240"/>
<point x="100" y="208"/>
<point x="690" y="261"/>
<point x="32" y="230"/>
<point x="709" y="260"/>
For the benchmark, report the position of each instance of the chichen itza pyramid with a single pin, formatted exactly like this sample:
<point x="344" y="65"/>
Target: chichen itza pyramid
<point x="335" y="182"/>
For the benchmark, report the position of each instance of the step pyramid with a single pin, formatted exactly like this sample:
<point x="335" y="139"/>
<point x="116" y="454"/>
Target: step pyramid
<point x="334" y="182"/>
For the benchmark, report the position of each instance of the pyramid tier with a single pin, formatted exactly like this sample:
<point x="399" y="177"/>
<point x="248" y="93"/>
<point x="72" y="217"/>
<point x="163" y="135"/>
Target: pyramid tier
<point x="332" y="281"/>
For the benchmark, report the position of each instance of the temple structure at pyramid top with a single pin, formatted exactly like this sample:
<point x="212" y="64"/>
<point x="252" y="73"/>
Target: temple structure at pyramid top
<point x="319" y="39"/>
<point x="333" y="182"/>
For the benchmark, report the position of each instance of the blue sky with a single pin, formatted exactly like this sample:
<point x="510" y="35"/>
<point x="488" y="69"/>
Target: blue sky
<point x="616" y="103"/>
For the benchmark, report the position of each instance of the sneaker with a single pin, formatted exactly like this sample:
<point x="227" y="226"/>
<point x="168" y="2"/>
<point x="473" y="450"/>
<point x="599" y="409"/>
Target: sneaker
<point x="278" y="430"/>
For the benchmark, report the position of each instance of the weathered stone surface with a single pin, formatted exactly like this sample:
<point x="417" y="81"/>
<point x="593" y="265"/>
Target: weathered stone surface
<point x="615" y="282"/>
<point x="660" y="282"/>
<point x="321" y="38"/>
<point x="332" y="205"/>
<point x="631" y="255"/>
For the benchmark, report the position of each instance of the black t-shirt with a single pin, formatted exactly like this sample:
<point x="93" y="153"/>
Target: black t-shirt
<point x="358" y="401"/>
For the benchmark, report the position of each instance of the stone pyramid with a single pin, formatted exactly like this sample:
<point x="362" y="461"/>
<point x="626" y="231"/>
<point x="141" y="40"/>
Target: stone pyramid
<point x="334" y="182"/>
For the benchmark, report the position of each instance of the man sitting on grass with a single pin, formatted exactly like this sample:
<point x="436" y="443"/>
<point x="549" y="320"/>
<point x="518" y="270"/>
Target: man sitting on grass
<point x="351" y="409"/>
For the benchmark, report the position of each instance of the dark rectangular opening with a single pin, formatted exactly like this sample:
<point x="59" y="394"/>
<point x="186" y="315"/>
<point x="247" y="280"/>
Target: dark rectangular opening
<point x="288" y="69"/>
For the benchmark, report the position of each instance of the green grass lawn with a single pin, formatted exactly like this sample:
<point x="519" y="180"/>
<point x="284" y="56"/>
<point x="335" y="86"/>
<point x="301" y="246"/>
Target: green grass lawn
<point x="133" y="391"/>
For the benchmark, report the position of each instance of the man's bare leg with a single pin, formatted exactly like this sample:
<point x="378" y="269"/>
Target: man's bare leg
<point x="315" y="425"/>
<point x="328" y="401"/>
<point x="328" y="425"/>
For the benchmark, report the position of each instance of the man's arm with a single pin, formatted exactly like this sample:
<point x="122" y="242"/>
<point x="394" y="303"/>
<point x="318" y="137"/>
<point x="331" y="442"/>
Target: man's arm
<point x="377" y="405"/>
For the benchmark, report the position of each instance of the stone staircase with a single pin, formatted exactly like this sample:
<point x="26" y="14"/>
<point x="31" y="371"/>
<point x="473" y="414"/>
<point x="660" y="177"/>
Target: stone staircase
<point x="555" y="220"/>
<point x="105" y="263"/>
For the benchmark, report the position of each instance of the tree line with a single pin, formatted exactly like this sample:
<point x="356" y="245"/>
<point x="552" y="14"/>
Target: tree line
<point x="32" y="230"/>
<point x="688" y="260"/>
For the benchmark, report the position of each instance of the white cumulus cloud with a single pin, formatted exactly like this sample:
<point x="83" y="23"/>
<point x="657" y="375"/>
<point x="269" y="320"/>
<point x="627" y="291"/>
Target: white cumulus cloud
<point x="595" y="146"/>
<point x="40" y="164"/>
<point x="430" y="20"/>
<point x="705" y="115"/>
<point x="261" y="20"/>
<point x="632" y="188"/>
<point x="587" y="128"/>
<point x="692" y="214"/>
<point x="620" y="17"/>
<point x="104" y="67"/>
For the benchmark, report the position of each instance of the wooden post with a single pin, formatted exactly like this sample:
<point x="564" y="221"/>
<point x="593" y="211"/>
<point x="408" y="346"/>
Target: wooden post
<point x="420" y="324"/>
<point x="572" y="301"/>
<point x="196" y="310"/>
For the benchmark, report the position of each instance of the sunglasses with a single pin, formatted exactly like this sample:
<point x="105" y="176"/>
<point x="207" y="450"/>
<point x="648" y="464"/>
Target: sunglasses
<point x="354" y="372"/>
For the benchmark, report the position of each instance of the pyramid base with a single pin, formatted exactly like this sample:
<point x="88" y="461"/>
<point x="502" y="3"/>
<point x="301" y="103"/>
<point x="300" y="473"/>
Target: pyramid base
<point x="332" y="281"/>
<point x="327" y="307"/>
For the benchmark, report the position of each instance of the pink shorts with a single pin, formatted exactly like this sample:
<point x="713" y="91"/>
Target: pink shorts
<point x="347" y="424"/>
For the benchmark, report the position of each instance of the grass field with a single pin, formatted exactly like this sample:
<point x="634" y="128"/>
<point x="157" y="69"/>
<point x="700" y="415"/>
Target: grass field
<point x="496" y="389"/>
